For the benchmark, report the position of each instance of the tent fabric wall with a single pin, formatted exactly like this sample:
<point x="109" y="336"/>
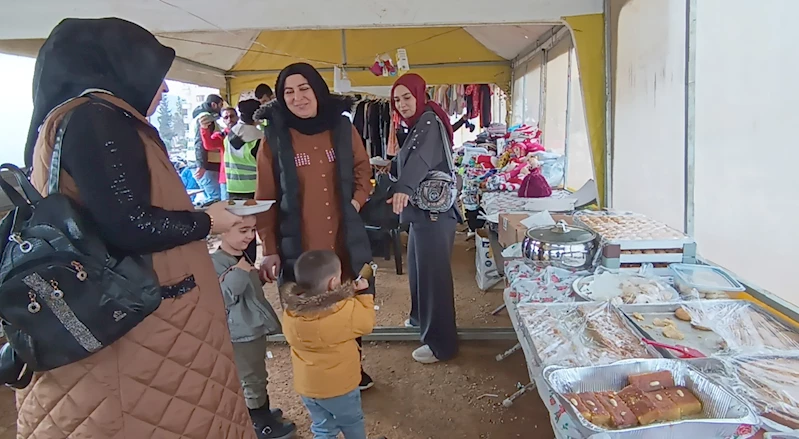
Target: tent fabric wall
<point x="588" y="34"/>
<point x="649" y="100"/>
<point x="745" y="153"/>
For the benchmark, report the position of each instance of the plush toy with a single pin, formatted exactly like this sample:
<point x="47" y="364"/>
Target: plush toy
<point x="533" y="184"/>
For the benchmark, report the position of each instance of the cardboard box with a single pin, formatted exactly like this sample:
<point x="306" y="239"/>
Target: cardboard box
<point x="511" y="230"/>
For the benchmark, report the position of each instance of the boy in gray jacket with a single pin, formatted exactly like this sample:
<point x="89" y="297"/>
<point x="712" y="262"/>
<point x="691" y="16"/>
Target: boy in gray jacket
<point x="250" y="319"/>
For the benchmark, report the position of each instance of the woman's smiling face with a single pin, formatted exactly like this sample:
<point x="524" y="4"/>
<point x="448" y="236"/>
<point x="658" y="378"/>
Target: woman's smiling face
<point x="404" y="101"/>
<point x="300" y="97"/>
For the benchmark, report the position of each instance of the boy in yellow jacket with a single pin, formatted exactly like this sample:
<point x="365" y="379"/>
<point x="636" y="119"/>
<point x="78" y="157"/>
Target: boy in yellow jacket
<point x="321" y="320"/>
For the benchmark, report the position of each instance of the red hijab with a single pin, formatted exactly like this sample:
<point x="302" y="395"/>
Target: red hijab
<point x="418" y="89"/>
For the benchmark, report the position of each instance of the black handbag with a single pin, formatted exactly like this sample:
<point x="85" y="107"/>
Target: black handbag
<point x="63" y="295"/>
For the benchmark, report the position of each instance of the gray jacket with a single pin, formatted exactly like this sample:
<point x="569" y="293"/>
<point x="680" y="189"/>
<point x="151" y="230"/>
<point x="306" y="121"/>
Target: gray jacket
<point x="422" y="152"/>
<point x="249" y="315"/>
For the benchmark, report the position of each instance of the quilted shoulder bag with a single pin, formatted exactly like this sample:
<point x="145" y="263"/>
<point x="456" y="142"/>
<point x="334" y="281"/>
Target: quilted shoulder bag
<point x="437" y="192"/>
<point x="63" y="296"/>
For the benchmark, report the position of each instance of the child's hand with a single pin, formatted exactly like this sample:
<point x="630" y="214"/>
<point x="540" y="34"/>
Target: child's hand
<point x="361" y="284"/>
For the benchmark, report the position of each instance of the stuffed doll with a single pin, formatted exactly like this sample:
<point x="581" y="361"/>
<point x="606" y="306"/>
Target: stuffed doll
<point x="534" y="185"/>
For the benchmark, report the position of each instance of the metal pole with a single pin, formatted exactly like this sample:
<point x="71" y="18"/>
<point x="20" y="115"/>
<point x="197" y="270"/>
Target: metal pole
<point x="608" y="195"/>
<point x="343" y="47"/>
<point x="542" y="96"/>
<point x="568" y="111"/>
<point x="524" y="94"/>
<point x="690" y="115"/>
<point x="412" y="334"/>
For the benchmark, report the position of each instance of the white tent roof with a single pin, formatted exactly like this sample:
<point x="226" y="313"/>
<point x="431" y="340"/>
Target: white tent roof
<point x="210" y="37"/>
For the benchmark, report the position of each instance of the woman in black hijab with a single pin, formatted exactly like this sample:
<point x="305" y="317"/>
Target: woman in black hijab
<point x="173" y="374"/>
<point x="324" y="178"/>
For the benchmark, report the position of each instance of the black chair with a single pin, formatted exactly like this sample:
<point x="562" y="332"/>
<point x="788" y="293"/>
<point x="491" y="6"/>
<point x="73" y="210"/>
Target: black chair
<point x="382" y="224"/>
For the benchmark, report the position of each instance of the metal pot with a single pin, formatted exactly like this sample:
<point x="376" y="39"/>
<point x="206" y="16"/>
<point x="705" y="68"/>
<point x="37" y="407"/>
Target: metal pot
<point x="562" y="246"/>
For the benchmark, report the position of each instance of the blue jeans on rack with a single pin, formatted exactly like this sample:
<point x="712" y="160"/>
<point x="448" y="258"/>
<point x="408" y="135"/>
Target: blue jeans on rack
<point x="331" y="416"/>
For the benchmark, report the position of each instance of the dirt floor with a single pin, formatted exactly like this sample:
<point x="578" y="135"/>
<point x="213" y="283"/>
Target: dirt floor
<point x="458" y="399"/>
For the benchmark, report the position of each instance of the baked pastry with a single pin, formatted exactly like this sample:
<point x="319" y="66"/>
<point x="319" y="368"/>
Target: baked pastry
<point x="685" y="400"/>
<point x="673" y="333"/>
<point x="620" y="415"/>
<point x="578" y="404"/>
<point x="667" y="408"/>
<point x="663" y="322"/>
<point x="599" y="414"/>
<point x="700" y="327"/>
<point x="638" y="316"/>
<point x="651" y="381"/>
<point x="231" y="202"/>
<point x="642" y="407"/>
<point x="682" y="314"/>
<point x="251" y="202"/>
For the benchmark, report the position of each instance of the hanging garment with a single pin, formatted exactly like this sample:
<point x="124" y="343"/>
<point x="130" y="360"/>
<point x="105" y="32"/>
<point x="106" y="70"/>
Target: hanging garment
<point x="485" y="105"/>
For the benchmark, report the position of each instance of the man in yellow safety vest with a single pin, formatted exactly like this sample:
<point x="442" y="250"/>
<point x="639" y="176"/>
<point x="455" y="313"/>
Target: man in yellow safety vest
<point x="241" y="148"/>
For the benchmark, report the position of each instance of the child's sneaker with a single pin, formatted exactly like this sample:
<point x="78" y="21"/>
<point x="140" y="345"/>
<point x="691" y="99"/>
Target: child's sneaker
<point x="366" y="382"/>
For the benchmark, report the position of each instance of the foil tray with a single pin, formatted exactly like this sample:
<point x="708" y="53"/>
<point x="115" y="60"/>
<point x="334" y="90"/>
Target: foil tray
<point x="723" y="412"/>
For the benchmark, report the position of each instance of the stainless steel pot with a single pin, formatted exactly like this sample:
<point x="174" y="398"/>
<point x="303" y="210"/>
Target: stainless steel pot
<point x="562" y="246"/>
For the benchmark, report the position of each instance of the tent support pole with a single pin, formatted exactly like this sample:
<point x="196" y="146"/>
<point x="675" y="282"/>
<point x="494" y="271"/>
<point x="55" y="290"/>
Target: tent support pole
<point x="608" y="195"/>
<point x="690" y="115"/>
<point x="343" y="47"/>
<point x="384" y="333"/>
<point x="567" y="125"/>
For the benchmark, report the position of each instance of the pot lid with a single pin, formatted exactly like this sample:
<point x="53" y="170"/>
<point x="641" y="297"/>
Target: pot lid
<point x="561" y="233"/>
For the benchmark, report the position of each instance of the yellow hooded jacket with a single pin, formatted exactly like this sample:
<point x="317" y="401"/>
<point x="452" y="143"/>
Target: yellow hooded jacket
<point x="321" y="331"/>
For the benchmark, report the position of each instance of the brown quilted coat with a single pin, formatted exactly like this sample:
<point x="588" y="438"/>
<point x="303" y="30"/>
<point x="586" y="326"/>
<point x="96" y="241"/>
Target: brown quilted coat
<point x="173" y="375"/>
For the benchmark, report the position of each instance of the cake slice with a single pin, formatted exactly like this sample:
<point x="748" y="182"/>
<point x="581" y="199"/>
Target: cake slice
<point x="644" y="410"/>
<point x="620" y="415"/>
<point x="651" y="381"/>
<point x="667" y="408"/>
<point x="599" y="415"/>
<point x="685" y="400"/>
<point x="578" y="404"/>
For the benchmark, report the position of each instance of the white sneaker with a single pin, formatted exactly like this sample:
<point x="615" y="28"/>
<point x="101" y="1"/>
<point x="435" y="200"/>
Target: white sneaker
<point x="424" y="355"/>
<point x="408" y="324"/>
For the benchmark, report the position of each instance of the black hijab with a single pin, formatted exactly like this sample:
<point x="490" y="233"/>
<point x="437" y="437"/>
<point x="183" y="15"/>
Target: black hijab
<point x="328" y="113"/>
<point x="109" y="54"/>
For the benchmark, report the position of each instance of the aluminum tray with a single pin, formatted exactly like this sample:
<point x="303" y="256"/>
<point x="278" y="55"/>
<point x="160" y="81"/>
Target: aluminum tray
<point x="707" y="342"/>
<point x="723" y="411"/>
<point x="559" y="309"/>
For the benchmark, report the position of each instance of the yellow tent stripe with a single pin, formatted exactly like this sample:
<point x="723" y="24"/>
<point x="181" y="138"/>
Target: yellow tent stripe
<point x="588" y="32"/>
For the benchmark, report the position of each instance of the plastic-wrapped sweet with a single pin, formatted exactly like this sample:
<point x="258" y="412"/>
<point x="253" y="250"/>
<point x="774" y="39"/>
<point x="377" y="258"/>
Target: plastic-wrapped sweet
<point x="771" y="383"/>
<point x="744" y="326"/>
<point x="584" y="334"/>
<point x="625" y="288"/>
<point x="528" y="283"/>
